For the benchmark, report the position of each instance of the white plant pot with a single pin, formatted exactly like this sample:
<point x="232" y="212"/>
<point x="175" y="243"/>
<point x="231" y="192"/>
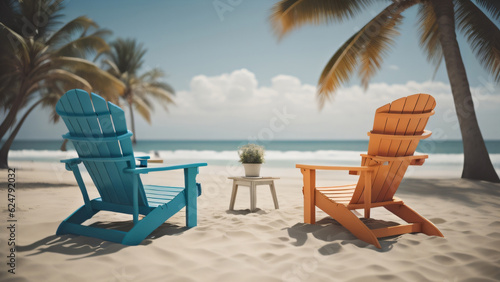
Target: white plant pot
<point x="252" y="170"/>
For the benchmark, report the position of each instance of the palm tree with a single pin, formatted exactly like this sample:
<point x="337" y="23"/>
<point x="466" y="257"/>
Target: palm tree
<point x="437" y="20"/>
<point x="124" y="61"/>
<point x="42" y="63"/>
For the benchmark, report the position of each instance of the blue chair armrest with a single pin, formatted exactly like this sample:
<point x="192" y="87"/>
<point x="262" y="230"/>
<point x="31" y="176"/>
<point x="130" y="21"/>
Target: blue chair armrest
<point x="143" y="157"/>
<point x="143" y="160"/>
<point x="70" y="163"/>
<point x="142" y="170"/>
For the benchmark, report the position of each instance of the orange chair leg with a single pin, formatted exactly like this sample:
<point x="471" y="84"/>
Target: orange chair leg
<point x="407" y="214"/>
<point x="345" y="217"/>
<point x="309" y="177"/>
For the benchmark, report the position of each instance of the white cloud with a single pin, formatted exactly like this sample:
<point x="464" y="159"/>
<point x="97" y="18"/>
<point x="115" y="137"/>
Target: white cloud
<point x="235" y="106"/>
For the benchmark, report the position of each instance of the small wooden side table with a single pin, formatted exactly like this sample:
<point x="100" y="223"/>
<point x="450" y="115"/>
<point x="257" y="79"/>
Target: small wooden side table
<point x="252" y="182"/>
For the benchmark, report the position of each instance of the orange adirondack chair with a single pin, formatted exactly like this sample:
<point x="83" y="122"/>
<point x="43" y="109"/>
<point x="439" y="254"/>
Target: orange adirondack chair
<point x="397" y="129"/>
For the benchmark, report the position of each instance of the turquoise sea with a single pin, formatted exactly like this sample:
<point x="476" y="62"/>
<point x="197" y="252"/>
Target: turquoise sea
<point x="279" y="153"/>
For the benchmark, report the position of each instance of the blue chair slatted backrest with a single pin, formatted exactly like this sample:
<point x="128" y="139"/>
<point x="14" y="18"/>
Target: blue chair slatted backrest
<point x="98" y="131"/>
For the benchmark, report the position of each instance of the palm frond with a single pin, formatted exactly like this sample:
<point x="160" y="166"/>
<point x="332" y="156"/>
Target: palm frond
<point x="20" y="41"/>
<point x="162" y="96"/>
<point x="83" y="46"/>
<point x="164" y="86"/>
<point x="66" y="33"/>
<point x="50" y="9"/>
<point x="378" y="46"/>
<point x="56" y="75"/>
<point x="152" y="79"/>
<point x="482" y="35"/>
<point x="491" y="6"/>
<point x="429" y="35"/>
<point x="152" y="75"/>
<point x="112" y="68"/>
<point x="128" y="55"/>
<point x="377" y="35"/>
<point x="289" y="14"/>
<point x="142" y="108"/>
<point x="102" y="82"/>
<point x="8" y="12"/>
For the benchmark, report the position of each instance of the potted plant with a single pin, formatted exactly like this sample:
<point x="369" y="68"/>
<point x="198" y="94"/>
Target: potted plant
<point x="252" y="157"/>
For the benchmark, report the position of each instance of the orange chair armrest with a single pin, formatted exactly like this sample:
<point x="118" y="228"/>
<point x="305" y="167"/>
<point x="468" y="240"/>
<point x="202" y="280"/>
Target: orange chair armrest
<point x="356" y="169"/>
<point x="414" y="160"/>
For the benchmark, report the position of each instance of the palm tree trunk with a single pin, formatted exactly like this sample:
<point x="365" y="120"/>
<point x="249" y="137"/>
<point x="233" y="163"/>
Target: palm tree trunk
<point x="4" y="151"/>
<point x="477" y="163"/>
<point x="63" y="145"/>
<point x="132" y="122"/>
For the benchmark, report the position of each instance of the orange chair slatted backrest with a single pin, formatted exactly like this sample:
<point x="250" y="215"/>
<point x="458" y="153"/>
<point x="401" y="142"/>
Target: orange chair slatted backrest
<point x="397" y="129"/>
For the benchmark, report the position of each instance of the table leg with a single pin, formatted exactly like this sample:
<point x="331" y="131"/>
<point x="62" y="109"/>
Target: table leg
<point x="273" y="192"/>
<point x="233" y="196"/>
<point x="253" y="197"/>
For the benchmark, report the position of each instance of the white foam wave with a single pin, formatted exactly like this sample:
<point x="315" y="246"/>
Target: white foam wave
<point x="41" y="154"/>
<point x="271" y="155"/>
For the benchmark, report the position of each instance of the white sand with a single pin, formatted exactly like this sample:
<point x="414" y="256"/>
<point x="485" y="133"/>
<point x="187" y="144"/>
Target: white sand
<point x="269" y="245"/>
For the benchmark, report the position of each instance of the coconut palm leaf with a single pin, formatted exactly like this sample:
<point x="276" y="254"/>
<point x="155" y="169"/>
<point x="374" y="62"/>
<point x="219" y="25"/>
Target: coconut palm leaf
<point x="112" y="68"/>
<point x="68" y="77"/>
<point x="366" y="47"/>
<point x="152" y="75"/>
<point x="378" y="46"/>
<point x="289" y="14"/>
<point x="429" y="36"/>
<point x="47" y="13"/>
<point x="491" y="6"/>
<point x="164" y="97"/>
<point x="22" y="44"/>
<point x="482" y="35"/>
<point x="68" y="31"/>
<point x="141" y="107"/>
<point x="128" y="55"/>
<point x="102" y="82"/>
<point x="83" y="46"/>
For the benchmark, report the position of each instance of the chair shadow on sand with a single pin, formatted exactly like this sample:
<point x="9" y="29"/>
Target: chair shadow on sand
<point x="332" y="232"/>
<point x="83" y="247"/>
<point x="246" y="212"/>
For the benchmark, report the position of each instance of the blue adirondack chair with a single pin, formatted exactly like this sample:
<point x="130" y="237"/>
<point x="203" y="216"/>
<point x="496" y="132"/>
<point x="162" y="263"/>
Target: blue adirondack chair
<point x="99" y="134"/>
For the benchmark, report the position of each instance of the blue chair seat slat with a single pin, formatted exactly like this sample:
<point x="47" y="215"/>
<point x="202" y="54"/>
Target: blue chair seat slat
<point x="163" y="193"/>
<point x="156" y="203"/>
<point x="162" y="188"/>
<point x="160" y="197"/>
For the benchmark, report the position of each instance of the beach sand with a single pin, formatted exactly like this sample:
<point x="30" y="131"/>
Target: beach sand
<point x="268" y="245"/>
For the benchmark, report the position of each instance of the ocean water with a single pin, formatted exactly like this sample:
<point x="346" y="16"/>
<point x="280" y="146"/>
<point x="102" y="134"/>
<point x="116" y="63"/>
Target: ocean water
<point x="279" y="153"/>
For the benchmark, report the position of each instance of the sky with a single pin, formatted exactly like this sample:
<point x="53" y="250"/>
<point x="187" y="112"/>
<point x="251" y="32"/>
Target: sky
<point x="235" y="80"/>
